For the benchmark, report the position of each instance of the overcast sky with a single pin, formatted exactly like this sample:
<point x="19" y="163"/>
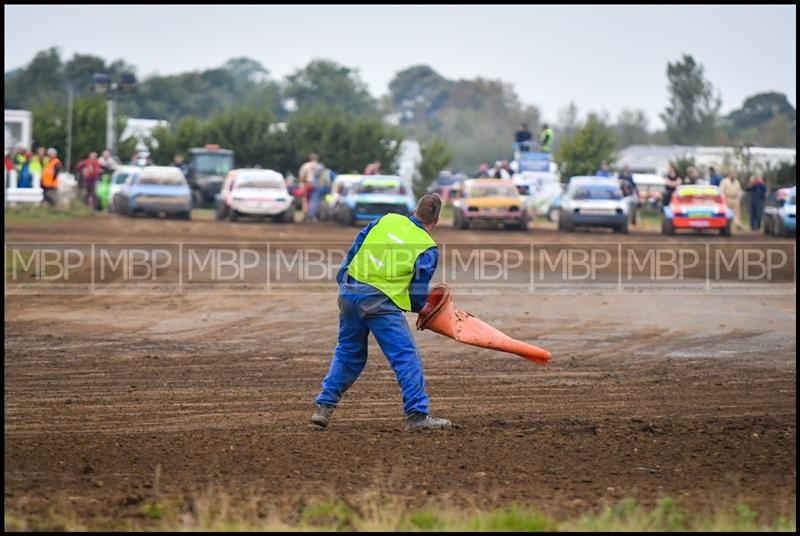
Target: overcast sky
<point x="601" y="57"/>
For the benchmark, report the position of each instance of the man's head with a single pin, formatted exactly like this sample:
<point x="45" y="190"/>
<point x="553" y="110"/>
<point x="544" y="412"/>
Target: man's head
<point x="524" y="126"/>
<point x="626" y="168"/>
<point x="544" y="127"/>
<point x="313" y="157"/>
<point x="179" y="158"/>
<point x="604" y="166"/>
<point x="427" y="210"/>
<point x="106" y="154"/>
<point x="40" y="152"/>
<point x="711" y="170"/>
<point x="484" y="166"/>
<point x="51" y="152"/>
<point x="93" y="156"/>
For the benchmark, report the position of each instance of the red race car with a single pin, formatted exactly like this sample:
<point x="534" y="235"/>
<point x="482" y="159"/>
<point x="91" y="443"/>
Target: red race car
<point x="697" y="207"/>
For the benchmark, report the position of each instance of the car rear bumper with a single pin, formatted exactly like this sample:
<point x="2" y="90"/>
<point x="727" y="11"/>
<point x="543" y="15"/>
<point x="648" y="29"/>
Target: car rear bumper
<point x="256" y="210"/>
<point x="598" y="220"/>
<point x="683" y="222"/>
<point x="494" y="217"/>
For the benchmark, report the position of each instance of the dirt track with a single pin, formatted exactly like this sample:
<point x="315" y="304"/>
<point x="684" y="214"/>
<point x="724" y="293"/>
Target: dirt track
<point x="647" y="395"/>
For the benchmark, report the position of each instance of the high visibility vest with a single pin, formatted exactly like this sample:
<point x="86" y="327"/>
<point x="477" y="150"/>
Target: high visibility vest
<point x="49" y="178"/>
<point x="37" y="165"/>
<point x="388" y="255"/>
<point x="546" y="140"/>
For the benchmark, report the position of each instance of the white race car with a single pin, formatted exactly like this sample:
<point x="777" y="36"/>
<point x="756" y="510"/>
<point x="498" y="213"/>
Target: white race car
<point x="254" y="192"/>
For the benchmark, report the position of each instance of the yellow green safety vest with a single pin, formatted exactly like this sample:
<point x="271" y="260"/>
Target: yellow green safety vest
<point x="388" y="255"/>
<point x="546" y="135"/>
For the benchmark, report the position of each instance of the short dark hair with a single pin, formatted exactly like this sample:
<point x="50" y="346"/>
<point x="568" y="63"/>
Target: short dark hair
<point x="428" y="208"/>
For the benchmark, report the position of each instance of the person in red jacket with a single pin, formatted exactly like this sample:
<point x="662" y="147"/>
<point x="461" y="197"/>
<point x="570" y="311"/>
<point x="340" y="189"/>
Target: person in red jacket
<point x="89" y="170"/>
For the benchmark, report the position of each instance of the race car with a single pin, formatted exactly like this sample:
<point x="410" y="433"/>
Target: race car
<point x="254" y="192"/>
<point x="593" y="202"/>
<point x="780" y="214"/>
<point x="156" y="190"/>
<point x="339" y="188"/>
<point x="374" y="196"/>
<point x="697" y="207"/>
<point x="489" y="201"/>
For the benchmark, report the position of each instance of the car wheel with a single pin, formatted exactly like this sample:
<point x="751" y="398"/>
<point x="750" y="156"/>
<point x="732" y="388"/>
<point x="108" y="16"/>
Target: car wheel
<point x="622" y="229"/>
<point x="348" y="218"/>
<point x="553" y="215"/>
<point x="726" y="231"/>
<point x="233" y="215"/>
<point x="666" y="227"/>
<point x="778" y="228"/>
<point x="288" y="215"/>
<point x="565" y="223"/>
<point x="523" y="223"/>
<point x="219" y="214"/>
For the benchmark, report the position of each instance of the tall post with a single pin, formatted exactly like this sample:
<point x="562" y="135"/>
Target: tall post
<point x="69" y="129"/>
<point x="111" y="136"/>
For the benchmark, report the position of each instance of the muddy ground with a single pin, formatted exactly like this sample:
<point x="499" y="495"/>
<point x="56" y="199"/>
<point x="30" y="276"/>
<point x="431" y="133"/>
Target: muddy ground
<point x="686" y="394"/>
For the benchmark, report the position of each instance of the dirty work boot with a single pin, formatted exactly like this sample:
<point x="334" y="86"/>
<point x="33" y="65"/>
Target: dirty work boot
<point x="322" y="416"/>
<point x="420" y="421"/>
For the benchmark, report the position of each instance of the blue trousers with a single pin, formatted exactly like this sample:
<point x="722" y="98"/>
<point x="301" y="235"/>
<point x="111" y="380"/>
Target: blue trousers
<point x="364" y="309"/>
<point x="315" y="198"/>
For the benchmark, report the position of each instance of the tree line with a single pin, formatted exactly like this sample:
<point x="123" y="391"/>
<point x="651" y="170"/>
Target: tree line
<point x="326" y="107"/>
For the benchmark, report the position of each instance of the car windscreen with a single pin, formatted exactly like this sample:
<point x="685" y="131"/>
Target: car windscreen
<point x="212" y="164"/>
<point x="161" y="180"/>
<point x="493" y="190"/>
<point x="597" y="193"/>
<point x="120" y="178"/>
<point x="260" y="184"/>
<point x="381" y="187"/>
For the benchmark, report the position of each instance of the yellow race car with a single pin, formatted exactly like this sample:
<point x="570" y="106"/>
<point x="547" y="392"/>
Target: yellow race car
<point x="489" y="201"/>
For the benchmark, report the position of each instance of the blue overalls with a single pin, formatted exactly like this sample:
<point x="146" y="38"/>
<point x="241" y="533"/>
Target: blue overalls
<point x="364" y="309"/>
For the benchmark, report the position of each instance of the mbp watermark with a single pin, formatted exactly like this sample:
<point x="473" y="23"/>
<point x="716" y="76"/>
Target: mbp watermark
<point x="472" y="267"/>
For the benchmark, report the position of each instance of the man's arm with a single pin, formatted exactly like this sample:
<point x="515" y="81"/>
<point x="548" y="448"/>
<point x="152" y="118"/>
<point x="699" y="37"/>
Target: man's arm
<point x="423" y="273"/>
<point x="353" y="250"/>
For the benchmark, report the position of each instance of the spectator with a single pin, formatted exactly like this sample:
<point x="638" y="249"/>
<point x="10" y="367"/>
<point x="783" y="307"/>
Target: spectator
<point x="181" y="164"/>
<point x="757" y="189"/>
<point x="483" y="171"/>
<point x="692" y="176"/>
<point x="626" y="183"/>
<point x="373" y="168"/>
<point x="25" y="178"/>
<point x="603" y="171"/>
<point x="38" y="163"/>
<point x="107" y="162"/>
<point x="89" y="170"/>
<point x="673" y="180"/>
<point x="732" y="192"/>
<point x="507" y="168"/>
<point x="320" y="181"/>
<point x="498" y="172"/>
<point x="546" y="139"/>
<point x="713" y="177"/>
<point x="306" y="170"/>
<point x="523" y="138"/>
<point x="50" y="176"/>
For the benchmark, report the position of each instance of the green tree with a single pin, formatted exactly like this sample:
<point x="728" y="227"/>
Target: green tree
<point x="418" y="91"/>
<point x="88" y="128"/>
<point x="583" y="153"/>
<point x="692" y="113"/>
<point x="760" y="109"/>
<point x="436" y="155"/>
<point x="326" y="83"/>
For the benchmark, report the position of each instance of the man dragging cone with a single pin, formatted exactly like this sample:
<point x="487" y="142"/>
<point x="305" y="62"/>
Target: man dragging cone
<point x="386" y="272"/>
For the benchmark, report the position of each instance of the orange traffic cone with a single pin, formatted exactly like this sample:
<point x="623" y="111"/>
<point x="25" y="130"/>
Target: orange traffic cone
<point x="447" y="319"/>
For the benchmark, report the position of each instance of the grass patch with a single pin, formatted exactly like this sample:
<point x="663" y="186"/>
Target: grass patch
<point x="45" y="212"/>
<point x="216" y="512"/>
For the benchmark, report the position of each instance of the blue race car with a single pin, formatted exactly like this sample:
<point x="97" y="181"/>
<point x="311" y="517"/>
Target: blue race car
<point x="156" y="190"/>
<point x="374" y="196"/>
<point x="780" y="214"/>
